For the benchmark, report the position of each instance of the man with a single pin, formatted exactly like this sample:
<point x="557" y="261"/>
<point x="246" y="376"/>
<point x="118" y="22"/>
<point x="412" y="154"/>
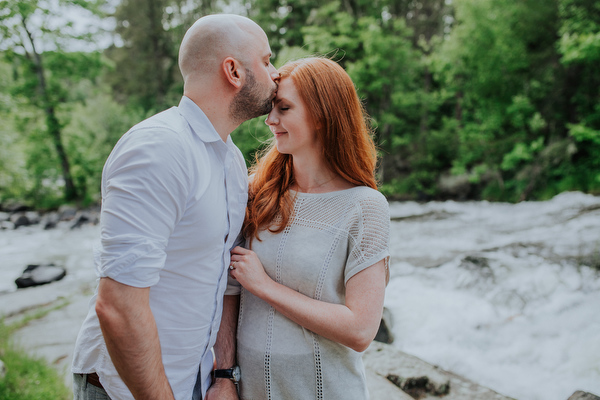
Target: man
<point x="174" y="192"/>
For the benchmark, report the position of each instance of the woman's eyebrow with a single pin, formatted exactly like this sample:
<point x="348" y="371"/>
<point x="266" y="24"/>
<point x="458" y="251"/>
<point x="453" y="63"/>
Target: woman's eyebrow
<point x="279" y="99"/>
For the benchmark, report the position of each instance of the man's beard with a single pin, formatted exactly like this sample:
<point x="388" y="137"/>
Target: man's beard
<point x="249" y="102"/>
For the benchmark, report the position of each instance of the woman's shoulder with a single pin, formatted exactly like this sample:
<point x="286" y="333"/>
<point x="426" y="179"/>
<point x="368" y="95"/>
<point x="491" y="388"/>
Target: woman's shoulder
<point x="364" y="195"/>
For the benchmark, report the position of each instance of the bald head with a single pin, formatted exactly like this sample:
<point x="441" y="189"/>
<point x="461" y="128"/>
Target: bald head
<point x="213" y="38"/>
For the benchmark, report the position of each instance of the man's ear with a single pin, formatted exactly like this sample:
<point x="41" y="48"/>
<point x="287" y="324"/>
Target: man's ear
<point x="233" y="71"/>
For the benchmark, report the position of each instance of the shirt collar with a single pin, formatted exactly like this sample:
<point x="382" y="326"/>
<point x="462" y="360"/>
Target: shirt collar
<point x="198" y="121"/>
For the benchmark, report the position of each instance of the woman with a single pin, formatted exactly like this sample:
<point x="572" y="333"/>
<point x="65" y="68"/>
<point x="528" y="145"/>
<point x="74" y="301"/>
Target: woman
<point x="314" y="279"/>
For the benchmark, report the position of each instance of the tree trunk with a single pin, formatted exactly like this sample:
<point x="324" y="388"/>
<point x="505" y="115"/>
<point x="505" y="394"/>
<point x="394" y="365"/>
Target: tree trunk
<point x="424" y="124"/>
<point x="52" y="124"/>
<point x="55" y="132"/>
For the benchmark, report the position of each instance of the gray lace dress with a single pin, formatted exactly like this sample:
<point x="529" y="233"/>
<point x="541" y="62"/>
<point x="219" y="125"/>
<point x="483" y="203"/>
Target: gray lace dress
<point x="331" y="237"/>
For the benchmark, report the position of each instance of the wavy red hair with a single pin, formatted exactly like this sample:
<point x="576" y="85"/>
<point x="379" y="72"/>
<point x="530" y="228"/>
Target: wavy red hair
<point x="342" y="128"/>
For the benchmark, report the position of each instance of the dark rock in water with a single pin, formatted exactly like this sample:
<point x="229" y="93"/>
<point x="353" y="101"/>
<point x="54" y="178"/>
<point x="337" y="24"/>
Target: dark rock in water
<point x="66" y="212"/>
<point x="16" y="207"/>
<point x="20" y="220"/>
<point x="40" y="274"/>
<point x="33" y="217"/>
<point x="579" y="395"/>
<point x="80" y="219"/>
<point x="384" y="334"/>
<point x="50" y="220"/>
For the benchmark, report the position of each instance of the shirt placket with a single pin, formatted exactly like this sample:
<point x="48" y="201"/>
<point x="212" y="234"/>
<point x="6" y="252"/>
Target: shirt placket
<point x="227" y="157"/>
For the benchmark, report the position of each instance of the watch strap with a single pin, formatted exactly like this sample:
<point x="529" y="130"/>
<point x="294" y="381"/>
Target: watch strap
<point x="223" y="373"/>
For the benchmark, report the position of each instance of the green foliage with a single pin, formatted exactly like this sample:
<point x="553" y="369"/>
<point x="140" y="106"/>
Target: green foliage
<point x="251" y="137"/>
<point x="502" y="97"/>
<point x="580" y="35"/>
<point x="27" y="378"/>
<point x="41" y="80"/>
<point x="94" y="128"/>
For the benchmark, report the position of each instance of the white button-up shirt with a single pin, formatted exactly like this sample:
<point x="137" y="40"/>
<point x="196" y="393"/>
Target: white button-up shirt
<point x="173" y="202"/>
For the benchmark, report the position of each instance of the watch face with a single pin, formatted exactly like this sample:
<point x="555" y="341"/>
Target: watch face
<point x="236" y="374"/>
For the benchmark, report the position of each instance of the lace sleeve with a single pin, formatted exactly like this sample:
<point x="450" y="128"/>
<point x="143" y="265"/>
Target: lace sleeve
<point x="369" y="234"/>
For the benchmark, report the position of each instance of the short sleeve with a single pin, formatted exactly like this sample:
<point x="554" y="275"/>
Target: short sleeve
<point x="369" y="233"/>
<point x="145" y="187"/>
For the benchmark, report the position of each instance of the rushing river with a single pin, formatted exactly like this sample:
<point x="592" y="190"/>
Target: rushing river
<point x="503" y="294"/>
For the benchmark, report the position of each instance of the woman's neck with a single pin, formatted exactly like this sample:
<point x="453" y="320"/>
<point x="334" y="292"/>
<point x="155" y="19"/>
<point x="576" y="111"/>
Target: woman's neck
<point x="316" y="177"/>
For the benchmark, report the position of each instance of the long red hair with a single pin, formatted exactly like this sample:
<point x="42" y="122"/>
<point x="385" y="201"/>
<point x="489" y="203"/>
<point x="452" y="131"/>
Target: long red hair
<point x="348" y="149"/>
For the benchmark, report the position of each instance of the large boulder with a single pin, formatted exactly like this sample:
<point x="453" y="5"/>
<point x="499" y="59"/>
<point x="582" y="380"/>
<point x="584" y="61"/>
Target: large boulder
<point x="40" y="274"/>
<point x="419" y="379"/>
<point x="579" y="395"/>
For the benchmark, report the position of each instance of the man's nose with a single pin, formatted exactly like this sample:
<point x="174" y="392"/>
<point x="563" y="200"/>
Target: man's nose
<point x="274" y="74"/>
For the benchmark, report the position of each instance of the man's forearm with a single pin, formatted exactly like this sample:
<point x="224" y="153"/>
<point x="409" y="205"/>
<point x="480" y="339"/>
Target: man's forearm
<point x="225" y="346"/>
<point x="131" y="338"/>
<point x="225" y="350"/>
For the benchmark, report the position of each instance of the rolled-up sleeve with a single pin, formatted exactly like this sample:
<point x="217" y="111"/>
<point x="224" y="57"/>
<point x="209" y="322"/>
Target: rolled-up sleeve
<point x="145" y="190"/>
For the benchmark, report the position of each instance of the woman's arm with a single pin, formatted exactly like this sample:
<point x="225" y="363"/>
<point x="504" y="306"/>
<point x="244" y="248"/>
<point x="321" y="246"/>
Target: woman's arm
<point x="353" y="324"/>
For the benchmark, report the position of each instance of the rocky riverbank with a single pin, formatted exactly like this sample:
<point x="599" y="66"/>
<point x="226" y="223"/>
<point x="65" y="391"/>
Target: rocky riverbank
<point x="392" y="374"/>
<point x="503" y="294"/>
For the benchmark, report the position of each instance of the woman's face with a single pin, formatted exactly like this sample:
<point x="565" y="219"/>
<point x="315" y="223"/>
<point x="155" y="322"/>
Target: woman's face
<point x="290" y="122"/>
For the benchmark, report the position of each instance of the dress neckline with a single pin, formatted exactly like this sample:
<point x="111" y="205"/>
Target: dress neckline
<point x="324" y="194"/>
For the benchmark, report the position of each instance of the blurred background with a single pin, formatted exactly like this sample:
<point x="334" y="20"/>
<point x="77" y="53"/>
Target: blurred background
<point x="469" y="99"/>
<point x="496" y="101"/>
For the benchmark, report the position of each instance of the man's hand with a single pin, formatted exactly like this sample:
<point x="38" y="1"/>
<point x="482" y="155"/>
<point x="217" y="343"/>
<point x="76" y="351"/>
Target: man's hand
<point x="222" y="389"/>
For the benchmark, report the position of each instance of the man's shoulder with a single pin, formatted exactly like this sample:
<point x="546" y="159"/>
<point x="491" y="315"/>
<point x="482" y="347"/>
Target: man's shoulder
<point x="167" y="128"/>
<point x="169" y="119"/>
<point x="165" y="135"/>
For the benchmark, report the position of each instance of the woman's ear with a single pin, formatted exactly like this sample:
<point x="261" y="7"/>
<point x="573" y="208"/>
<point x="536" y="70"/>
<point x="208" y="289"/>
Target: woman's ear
<point x="233" y="71"/>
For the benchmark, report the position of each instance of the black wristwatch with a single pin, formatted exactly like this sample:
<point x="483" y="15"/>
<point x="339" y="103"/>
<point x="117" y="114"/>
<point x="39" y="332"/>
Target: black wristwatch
<point x="234" y="374"/>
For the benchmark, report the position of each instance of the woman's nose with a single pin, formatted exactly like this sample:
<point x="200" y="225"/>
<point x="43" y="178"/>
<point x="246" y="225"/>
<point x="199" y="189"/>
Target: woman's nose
<point x="271" y="120"/>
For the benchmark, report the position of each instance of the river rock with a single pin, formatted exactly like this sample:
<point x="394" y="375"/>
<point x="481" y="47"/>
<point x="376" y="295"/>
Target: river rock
<point x="420" y="379"/>
<point x="455" y="186"/>
<point x="579" y="395"/>
<point x="382" y="389"/>
<point x="49" y="220"/>
<point x="14" y="207"/>
<point x="385" y="334"/>
<point x="19" y="219"/>
<point x="67" y="212"/>
<point x="40" y="274"/>
<point x="83" y="217"/>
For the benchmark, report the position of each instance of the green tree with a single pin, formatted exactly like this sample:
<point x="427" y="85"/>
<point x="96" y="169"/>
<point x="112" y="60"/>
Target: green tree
<point x="579" y="46"/>
<point x="499" y="65"/>
<point x="43" y="77"/>
<point x="145" y="56"/>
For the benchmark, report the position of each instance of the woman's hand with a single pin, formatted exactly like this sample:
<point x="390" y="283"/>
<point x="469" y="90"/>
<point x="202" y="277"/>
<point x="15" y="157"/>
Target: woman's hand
<point x="248" y="270"/>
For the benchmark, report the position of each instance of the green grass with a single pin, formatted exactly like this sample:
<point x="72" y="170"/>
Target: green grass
<point x="28" y="378"/>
